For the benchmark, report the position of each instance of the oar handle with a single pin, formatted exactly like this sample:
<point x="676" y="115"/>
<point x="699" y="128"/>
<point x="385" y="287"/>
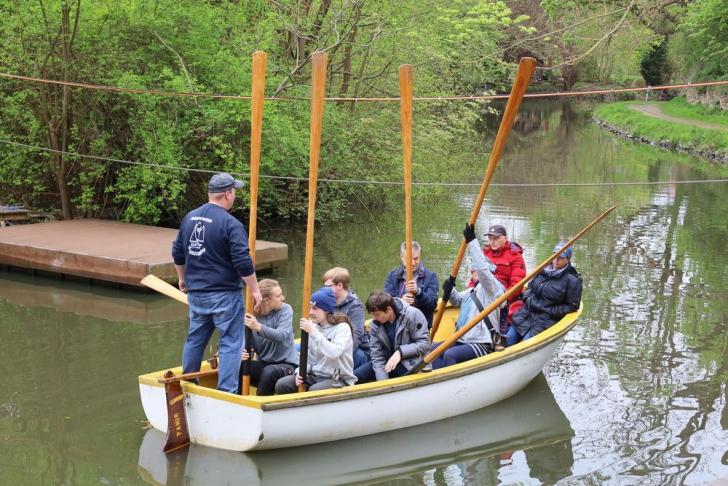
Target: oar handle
<point x="256" y="136"/>
<point x="526" y="66"/>
<point x="318" y="81"/>
<point x="405" y="103"/>
<point x="429" y="358"/>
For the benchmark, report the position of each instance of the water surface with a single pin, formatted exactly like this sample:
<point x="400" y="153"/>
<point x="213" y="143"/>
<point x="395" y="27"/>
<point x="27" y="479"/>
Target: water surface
<point x="636" y="394"/>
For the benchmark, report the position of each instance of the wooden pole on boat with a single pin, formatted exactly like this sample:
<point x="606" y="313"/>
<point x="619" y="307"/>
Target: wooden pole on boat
<point x="405" y="107"/>
<point x="429" y="358"/>
<point x="256" y="134"/>
<point x="318" y="61"/>
<point x="525" y="72"/>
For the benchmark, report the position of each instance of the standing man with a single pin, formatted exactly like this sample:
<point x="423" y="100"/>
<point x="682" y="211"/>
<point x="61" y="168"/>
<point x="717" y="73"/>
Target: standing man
<point x="347" y="303"/>
<point x="510" y="267"/>
<point x="212" y="259"/>
<point x="421" y="291"/>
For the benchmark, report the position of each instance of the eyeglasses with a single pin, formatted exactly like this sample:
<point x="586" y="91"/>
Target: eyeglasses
<point x="329" y="284"/>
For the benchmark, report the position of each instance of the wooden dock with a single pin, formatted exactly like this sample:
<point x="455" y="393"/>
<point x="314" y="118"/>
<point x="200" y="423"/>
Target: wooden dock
<point x="105" y="250"/>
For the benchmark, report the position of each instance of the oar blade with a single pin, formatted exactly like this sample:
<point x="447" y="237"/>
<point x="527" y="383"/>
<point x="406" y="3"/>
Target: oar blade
<point x="156" y="283"/>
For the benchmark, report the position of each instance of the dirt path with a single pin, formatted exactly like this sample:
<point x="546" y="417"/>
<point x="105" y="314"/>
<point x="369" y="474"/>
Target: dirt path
<point x="655" y="111"/>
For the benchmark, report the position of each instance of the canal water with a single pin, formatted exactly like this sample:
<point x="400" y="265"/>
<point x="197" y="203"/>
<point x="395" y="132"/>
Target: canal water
<point x="635" y="395"/>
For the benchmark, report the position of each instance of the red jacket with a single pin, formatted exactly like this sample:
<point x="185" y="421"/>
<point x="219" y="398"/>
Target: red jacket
<point x="510" y="268"/>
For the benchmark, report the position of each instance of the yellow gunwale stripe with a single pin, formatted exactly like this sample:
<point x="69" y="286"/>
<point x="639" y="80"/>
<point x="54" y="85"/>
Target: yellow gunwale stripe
<point x="277" y="402"/>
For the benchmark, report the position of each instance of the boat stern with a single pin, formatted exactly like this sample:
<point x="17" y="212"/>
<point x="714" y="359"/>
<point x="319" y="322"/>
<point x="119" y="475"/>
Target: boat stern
<point x="214" y="418"/>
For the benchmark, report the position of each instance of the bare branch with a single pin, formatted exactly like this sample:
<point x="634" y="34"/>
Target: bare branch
<point x="181" y="62"/>
<point x="571" y="62"/>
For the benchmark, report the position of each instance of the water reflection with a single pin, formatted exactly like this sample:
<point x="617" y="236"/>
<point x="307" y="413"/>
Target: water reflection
<point x="642" y="377"/>
<point x="528" y="429"/>
<point x="92" y="300"/>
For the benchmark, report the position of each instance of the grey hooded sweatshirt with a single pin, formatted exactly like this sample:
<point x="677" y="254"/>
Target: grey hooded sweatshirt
<point x="274" y="342"/>
<point x="488" y="289"/>
<point x="330" y="353"/>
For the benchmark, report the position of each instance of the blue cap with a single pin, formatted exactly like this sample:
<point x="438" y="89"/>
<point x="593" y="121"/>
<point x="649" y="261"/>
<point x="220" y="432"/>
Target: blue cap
<point x="222" y="182"/>
<point x="567" y="253"/>
<point x="324" y="299"/>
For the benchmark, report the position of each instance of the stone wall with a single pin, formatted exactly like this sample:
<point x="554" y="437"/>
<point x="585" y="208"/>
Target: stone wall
<point x="711" y="155"/>
<point x="712" y="96"/>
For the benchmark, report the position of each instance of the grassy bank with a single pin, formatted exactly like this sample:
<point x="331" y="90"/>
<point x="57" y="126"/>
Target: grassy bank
<point x="680" y="107"/>
<point x="621" y="116"/>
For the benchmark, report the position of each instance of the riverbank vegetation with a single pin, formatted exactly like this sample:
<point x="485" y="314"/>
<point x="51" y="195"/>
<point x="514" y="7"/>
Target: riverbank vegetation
<point x="622" y="115"/>
<point x="679" y="107"/>
<point x="462" y="47"/>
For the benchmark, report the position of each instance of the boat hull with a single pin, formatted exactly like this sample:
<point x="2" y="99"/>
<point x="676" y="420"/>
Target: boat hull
<point x="529" y="420"/>
<point x="226" y="421"/>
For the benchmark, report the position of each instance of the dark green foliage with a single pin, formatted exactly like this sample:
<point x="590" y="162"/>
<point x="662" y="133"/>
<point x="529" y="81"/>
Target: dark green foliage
<point x="654" y="67"/>
<point x="192" y="46"/>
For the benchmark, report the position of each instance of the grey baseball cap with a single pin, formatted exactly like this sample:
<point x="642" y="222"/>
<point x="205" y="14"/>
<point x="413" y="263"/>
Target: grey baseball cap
<point x="566" y="253"/>
<point x="222" y="182"/>
<point x="497" y="230"/>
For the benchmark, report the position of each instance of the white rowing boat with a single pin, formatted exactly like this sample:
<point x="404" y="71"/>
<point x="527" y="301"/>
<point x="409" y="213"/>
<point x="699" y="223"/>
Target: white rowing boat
<point x="529" y="421"/>
<point x="245" y="423"/>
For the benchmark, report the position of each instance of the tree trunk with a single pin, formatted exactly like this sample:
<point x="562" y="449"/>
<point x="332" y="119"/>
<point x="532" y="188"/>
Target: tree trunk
<point x="346" y="77"/>
<point x="58" y="119"/>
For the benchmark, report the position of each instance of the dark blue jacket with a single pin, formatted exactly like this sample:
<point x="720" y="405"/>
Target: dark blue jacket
<point x="213" y="247"/>
<point x="354" y="309"/>
<point x="547" y="300"/>
<point x="426" y="300"/>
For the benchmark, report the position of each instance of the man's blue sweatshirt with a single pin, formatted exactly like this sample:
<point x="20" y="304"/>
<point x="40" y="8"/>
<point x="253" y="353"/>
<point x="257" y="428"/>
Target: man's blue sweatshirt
<point x="213" y="247"/>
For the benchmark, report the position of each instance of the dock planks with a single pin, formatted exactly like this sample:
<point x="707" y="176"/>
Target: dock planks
<point x="105" y="250"/>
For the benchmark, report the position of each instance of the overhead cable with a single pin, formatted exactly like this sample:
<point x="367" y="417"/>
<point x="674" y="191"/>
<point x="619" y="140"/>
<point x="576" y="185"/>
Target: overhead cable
<point x="155" y="92"/>
<point x="365" y="181"/>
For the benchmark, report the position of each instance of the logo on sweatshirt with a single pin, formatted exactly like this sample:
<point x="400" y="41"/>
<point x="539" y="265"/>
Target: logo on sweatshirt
<point x="197" y="240"/>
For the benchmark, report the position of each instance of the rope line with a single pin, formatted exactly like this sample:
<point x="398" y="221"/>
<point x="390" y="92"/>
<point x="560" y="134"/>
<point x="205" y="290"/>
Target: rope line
<point x="156" y="92"/>
<point x="374" y="182"/>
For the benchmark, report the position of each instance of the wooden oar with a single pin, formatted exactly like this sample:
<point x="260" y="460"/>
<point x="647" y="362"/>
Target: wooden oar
<point x="429" y="358"/>
<point x="405" y="106"/>
<point x="525" y="72"/>
<point x="156" y="283"/>
<point x="256" y="135"/>
<point x="318" y="62"/>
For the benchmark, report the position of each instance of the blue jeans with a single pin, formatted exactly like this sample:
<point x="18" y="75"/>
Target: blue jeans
<point x="512" y="336"/>
<point x="360" y="357"/>
<point x="365" y="372"/>
<point x="224" y="311"/>
<point x="457" y="353"/>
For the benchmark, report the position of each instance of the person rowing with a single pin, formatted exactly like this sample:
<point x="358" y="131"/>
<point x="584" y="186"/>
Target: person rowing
<point x="398" y="337"/>
<point x="477" y="341"/>
<point x="552" y="294"/>
<point x="347" y="303"/>
<point x="272" y="326"/>
<point x="421" y="291"/>
<point x="330" y="360"/>
<point x="507" y="256"/>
